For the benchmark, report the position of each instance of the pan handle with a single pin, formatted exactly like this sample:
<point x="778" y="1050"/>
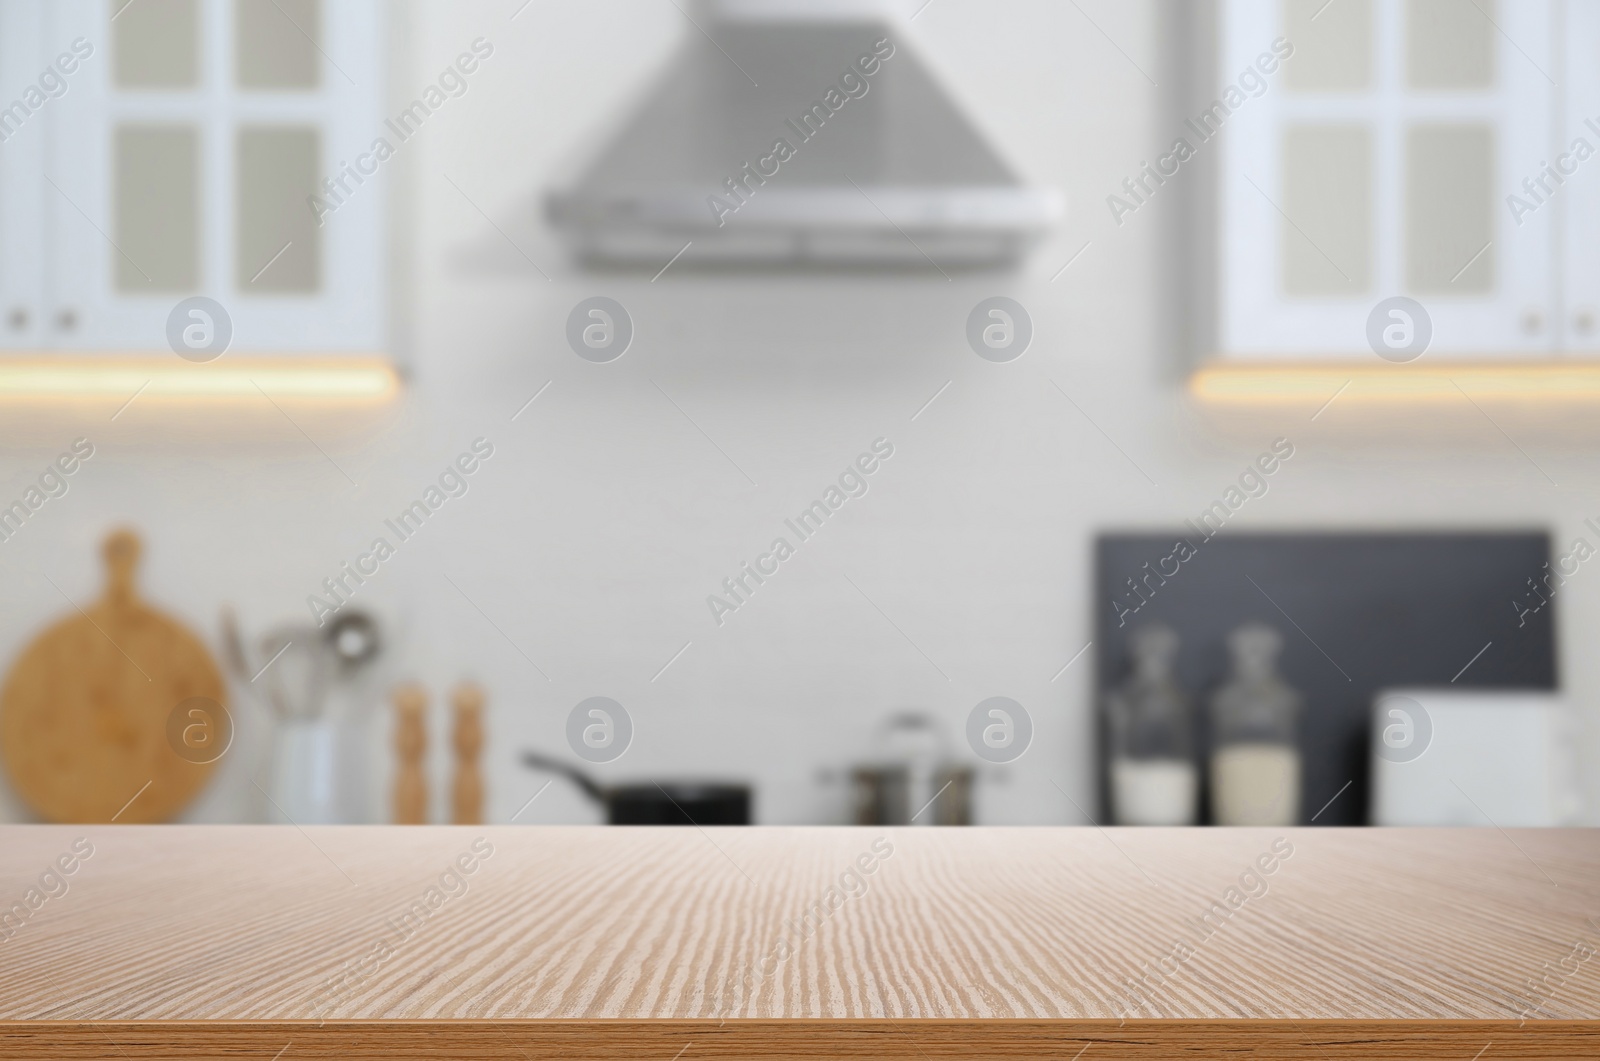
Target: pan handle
<point x="590" y="787"/>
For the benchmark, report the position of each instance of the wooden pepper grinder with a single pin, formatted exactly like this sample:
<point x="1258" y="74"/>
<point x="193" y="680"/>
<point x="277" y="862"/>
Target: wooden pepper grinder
<point x="411" y="742"/>
<point x="466" y="795"/>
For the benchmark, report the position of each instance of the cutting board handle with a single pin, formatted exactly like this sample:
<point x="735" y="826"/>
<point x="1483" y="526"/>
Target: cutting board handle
<point x="121" y="552"/>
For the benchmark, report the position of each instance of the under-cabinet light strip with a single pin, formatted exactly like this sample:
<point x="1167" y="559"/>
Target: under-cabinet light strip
<point x="71" y="377"/>
<point x="1272" y="384"/>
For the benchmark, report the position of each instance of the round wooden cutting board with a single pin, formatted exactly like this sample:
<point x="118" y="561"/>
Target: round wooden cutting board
<point x="115" y="703"/>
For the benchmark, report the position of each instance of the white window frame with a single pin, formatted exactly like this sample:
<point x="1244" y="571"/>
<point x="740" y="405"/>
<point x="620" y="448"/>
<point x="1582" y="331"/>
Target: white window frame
<point x="1258" y="321"/>
<point x="349" y="311"/>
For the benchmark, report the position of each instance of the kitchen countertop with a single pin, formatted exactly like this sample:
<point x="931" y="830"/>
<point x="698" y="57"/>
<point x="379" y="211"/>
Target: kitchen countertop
<point x="536" y="942"/>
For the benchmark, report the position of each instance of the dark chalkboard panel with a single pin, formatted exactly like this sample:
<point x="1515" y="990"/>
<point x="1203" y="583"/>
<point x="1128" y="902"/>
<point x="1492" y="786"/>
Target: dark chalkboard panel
<point x="1372" y="610"/>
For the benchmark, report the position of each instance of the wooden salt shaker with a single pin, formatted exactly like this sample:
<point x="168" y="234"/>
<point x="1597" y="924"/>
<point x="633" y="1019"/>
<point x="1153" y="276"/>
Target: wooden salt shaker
<point x="466" y="794"/>
<point x="411" y="742"/>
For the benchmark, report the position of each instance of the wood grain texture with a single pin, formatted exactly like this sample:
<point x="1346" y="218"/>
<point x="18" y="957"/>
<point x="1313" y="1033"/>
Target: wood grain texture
<point x="466" y="740"/>
<point x="86" y="714"/>
<point x="410" y="797"/>
<point x="611" y="942"/>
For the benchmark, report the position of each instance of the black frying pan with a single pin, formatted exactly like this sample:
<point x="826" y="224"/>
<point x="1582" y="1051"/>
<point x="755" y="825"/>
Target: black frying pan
<point x="666" y="803"/>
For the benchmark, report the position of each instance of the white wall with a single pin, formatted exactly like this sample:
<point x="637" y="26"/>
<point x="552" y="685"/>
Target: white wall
<point x="594" y="534"/>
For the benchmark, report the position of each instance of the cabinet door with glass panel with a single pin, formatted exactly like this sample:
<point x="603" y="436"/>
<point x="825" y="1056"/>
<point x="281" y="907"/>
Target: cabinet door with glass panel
<point x="184" y="159"/>
<point x="24" y="63"/>
<point x="1415" y="148"/>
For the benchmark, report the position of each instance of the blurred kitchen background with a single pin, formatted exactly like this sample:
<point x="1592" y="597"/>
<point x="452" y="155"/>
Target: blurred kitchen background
<point x="1339" y="344"/>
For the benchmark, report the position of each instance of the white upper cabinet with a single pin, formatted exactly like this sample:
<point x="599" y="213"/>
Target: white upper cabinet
<point x="1433" y="149"/>
<point x="180" y="148"/>
<point x="22" y="140"/>
<point x="1579" y="237"/>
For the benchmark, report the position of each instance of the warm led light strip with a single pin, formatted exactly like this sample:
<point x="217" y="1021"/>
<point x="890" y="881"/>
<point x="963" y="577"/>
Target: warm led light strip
<point x="331" y="379"/>
<point x="1261" y="384"/>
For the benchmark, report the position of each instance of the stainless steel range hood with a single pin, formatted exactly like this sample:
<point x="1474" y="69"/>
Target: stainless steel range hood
<point x="798" y="134"/>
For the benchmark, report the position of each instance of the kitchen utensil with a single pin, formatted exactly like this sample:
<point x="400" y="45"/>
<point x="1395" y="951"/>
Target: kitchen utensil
<point x="882" y="796"/>
<point x="307" y="678"/>
<point x="664" y="803"/>
<point x="353" y="639"/>
<point x="466" y="792"/>
<point x="294" y="679"/>
<point x="354" y="642"/>
<point x="303" y="774"/>
<point x="87" y="715"/>
<point x="912" y="780"/>
<point x="1504" y="757"/>
<point x="411" y="744"/>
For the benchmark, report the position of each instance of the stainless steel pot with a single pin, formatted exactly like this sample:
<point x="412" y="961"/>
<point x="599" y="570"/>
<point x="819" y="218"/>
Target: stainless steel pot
<point x="888" y="795"/>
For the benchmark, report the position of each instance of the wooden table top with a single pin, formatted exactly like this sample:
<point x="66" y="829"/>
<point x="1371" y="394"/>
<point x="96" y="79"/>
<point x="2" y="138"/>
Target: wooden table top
<point x="612" y="942"/>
